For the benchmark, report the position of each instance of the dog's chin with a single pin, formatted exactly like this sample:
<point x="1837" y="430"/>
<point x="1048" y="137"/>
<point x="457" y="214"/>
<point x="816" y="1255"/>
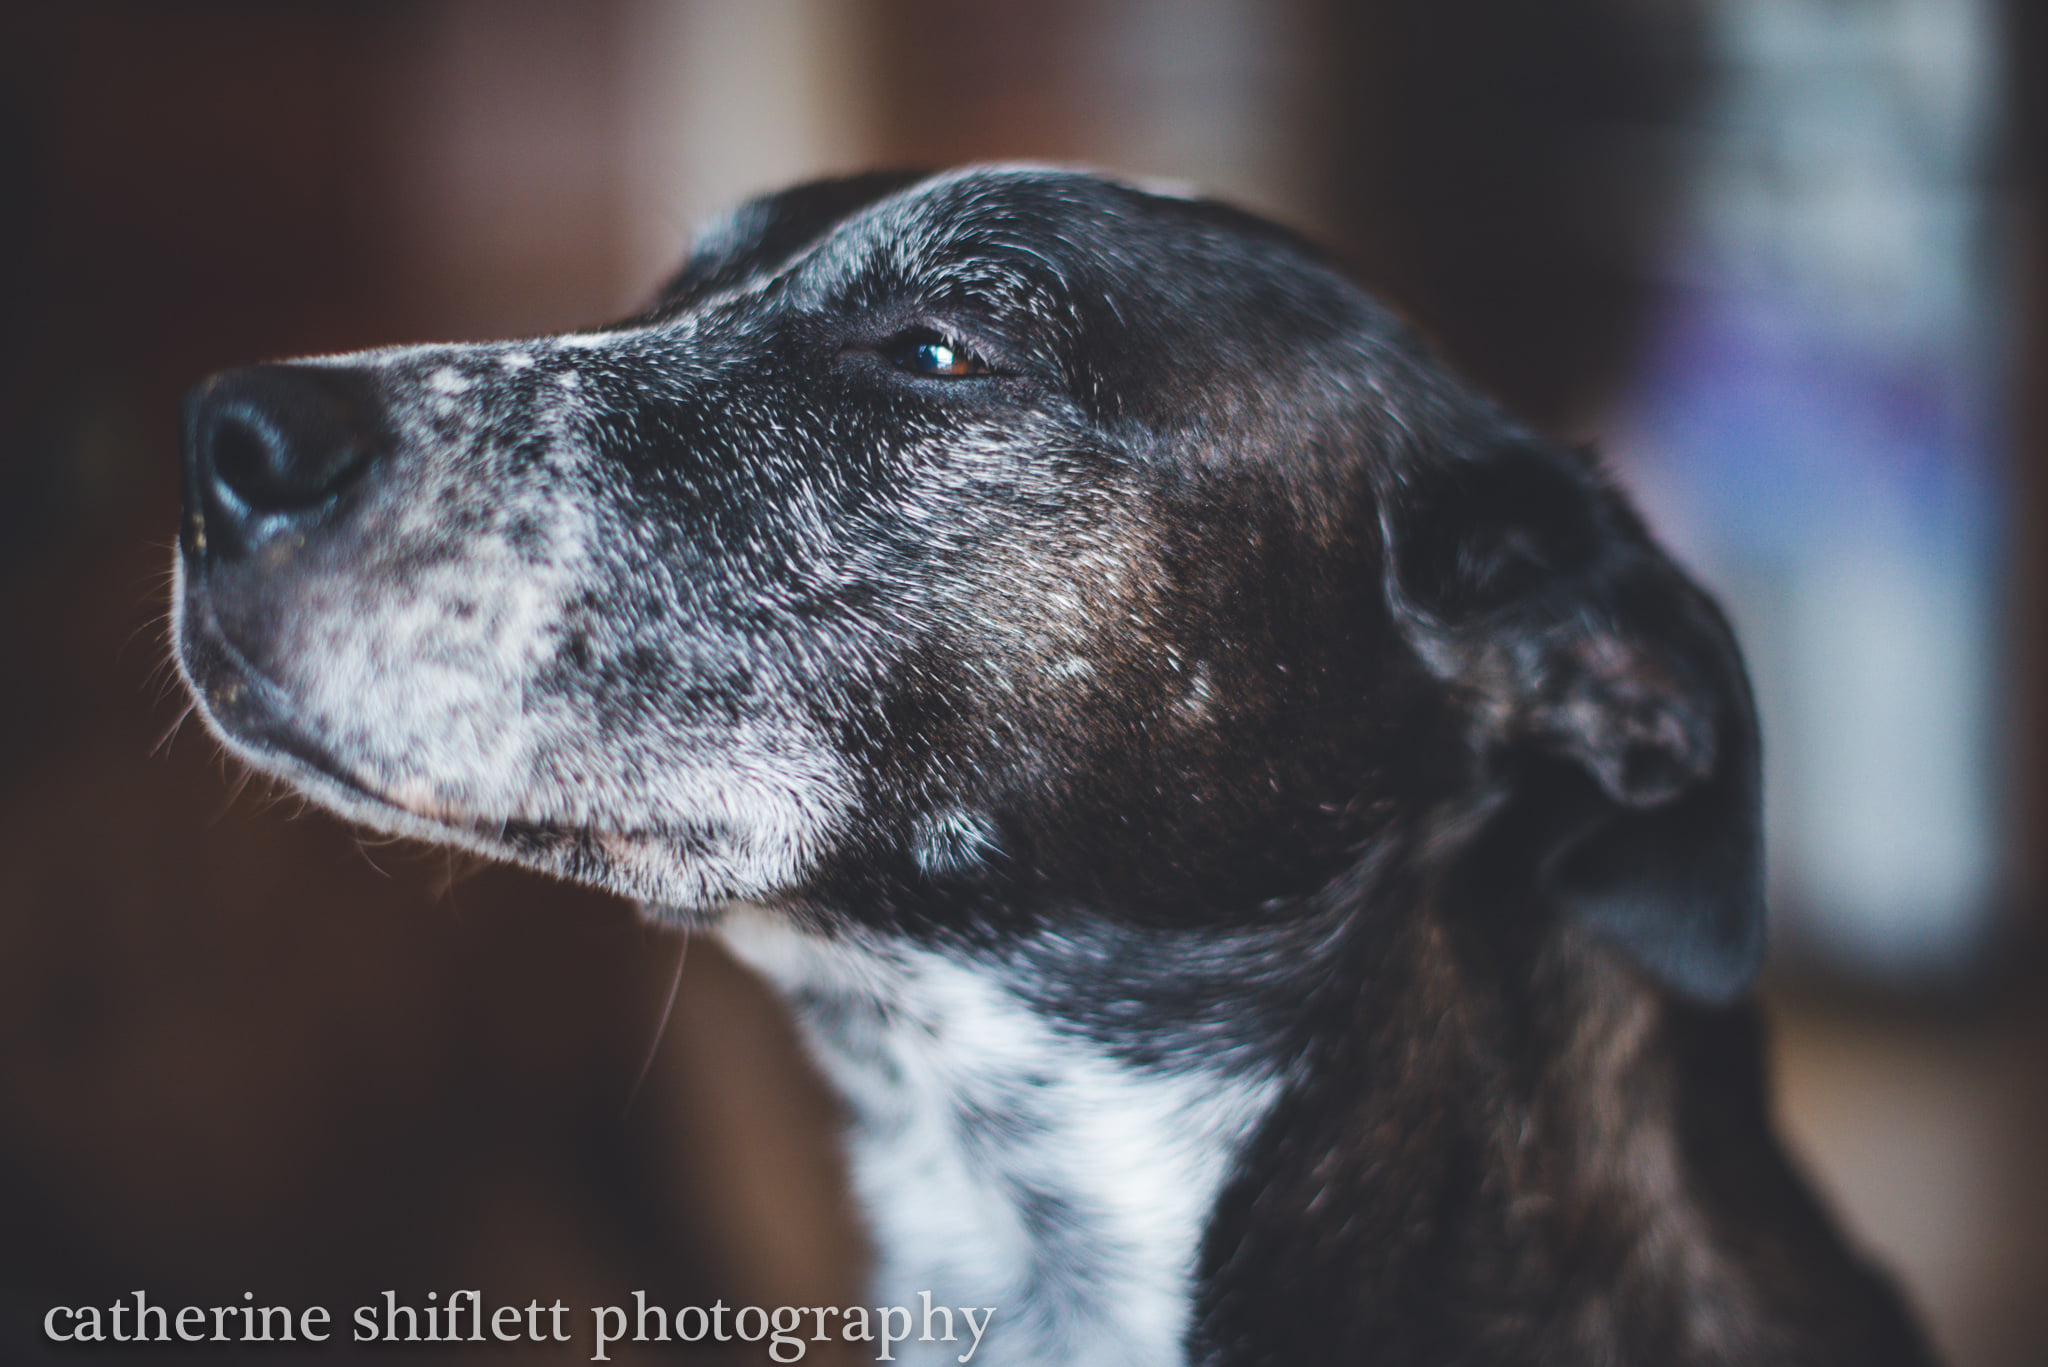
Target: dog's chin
<point x="686" y="875"/>
<point x="256" y="720"/>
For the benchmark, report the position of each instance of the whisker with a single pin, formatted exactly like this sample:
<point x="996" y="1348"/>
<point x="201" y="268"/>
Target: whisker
<point x="668" y="1007"/>
<point x="362" y="846"/>
<point x="457" y="867"/>
<point x="163" y="742"/>
<point x="238" y="785"/>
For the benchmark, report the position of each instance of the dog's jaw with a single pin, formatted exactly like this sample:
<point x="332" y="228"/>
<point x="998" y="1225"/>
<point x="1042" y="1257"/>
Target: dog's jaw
<point x="1004" y="1159"/>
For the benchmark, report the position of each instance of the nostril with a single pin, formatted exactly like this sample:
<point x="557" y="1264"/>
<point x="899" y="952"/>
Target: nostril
<point x="272" y="470"/>
<point x="245" y="460"/>
<point x="271" y="449"/>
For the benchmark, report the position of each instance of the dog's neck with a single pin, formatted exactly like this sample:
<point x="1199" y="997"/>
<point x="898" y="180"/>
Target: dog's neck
<point x="1286" y="1145"/>
<point x="1005" y="1156"/>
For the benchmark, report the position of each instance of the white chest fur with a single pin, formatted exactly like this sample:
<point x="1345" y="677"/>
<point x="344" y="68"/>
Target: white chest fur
<point x="1005" y="1160"/>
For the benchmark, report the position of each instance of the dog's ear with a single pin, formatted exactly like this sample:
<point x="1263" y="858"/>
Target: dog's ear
<point x="763" y="233"/>
<point x="1605" y="691"/>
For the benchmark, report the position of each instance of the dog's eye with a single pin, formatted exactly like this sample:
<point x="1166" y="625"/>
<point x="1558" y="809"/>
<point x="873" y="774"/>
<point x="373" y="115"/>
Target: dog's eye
<point x="923" y="351"/>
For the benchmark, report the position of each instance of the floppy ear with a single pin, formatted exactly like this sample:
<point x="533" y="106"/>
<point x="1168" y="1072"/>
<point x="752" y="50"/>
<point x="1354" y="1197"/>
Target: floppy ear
<point x="1605" y="691"/>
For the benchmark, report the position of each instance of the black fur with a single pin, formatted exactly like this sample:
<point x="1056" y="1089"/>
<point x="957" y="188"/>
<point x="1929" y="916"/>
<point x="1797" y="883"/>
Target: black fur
<point x="1201" y="662"/>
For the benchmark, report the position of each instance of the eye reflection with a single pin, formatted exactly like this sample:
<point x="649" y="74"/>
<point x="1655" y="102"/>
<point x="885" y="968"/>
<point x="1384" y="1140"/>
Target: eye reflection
<point x="924" y="351"/>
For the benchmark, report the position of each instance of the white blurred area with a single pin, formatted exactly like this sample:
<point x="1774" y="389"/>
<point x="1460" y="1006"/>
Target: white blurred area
<point x="726" y="101"/>
<point x="536" y="134"/>
<point x="1817" y="426"/>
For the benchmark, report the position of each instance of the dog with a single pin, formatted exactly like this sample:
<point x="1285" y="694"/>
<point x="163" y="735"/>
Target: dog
<point x="1265" y="845"/>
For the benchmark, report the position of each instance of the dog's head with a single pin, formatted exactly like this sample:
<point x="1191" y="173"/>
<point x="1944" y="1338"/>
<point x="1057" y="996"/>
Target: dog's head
<point x="981" y="546"/>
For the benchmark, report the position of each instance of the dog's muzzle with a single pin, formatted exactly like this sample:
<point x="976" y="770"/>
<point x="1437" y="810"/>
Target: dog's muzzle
<point x="272" y="453"/>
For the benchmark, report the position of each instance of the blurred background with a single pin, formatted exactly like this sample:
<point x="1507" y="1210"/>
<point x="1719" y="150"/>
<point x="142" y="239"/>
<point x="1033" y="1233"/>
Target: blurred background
<point x="1783" y="260"/>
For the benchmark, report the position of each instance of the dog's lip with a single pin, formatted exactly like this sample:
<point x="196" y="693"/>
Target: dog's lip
<point x="254" y="713"/>
<point x="282" y="741"/>
<point x="417" y="796"/>
<point x="253" y="710"/>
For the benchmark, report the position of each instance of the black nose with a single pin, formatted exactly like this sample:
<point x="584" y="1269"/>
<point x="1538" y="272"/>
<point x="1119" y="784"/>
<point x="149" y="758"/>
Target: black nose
<point x="269" y="450"/>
